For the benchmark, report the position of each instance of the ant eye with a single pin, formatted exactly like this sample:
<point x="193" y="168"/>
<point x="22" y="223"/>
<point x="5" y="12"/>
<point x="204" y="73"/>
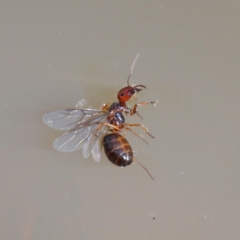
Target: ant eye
<point x="122" y="94"/>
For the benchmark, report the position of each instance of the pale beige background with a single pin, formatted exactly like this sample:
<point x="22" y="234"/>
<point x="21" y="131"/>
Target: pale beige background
<point x="54" y="53"/>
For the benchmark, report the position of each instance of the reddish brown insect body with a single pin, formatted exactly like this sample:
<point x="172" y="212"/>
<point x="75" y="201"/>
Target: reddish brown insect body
<point x="118" y="149"/>
<point x="86" y="127"/>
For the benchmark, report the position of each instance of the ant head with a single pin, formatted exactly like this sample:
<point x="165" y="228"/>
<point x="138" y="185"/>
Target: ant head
<point x="127" y="92"/>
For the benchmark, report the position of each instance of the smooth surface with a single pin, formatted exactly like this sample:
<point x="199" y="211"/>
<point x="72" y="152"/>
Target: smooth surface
<point x="55" y="53"/>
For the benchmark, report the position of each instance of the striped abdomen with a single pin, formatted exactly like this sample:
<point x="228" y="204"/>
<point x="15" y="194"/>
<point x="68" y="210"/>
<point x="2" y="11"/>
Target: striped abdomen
<point x="118" y="149"/>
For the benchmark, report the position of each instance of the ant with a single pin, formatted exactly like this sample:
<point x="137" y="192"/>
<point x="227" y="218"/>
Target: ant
<point x="87" y="126"/>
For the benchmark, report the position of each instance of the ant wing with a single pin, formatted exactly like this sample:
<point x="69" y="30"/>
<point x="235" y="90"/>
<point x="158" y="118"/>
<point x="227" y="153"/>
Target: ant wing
<point x="77" y="137"/>
<point x="72" y="140"/>
<point x="97" y="150"/>
<point x="70" y="118"/>
<point x="92" y="144"/>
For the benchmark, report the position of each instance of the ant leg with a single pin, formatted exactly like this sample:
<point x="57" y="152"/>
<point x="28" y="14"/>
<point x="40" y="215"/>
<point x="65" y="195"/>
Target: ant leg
<point x="104" y="107"/>
<point x="129" y="129"/>
<point x="109" y="125"/>
<point x="113" y="126"/>
<point x="139" y="115"/>
<point x="134" y="110"/>
<point x="135" y="160"/>
<point x="140" y="125"/>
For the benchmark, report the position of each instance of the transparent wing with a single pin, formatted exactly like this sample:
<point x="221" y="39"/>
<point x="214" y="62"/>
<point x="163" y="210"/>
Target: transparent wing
<point x="80" y="135"/>
<point x="92" y="144"/>
<point x="96" y="150"/>
<point x="72" y="140"/>
<point x="71" y="118"/>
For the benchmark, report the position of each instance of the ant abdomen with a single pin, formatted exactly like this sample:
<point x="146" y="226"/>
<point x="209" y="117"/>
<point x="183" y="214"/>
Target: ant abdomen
<point x="118" y="149"/>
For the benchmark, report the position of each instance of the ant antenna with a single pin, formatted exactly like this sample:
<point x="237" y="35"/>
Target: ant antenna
<point x="131" y="71"/>
<point x="145" y="169"/>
